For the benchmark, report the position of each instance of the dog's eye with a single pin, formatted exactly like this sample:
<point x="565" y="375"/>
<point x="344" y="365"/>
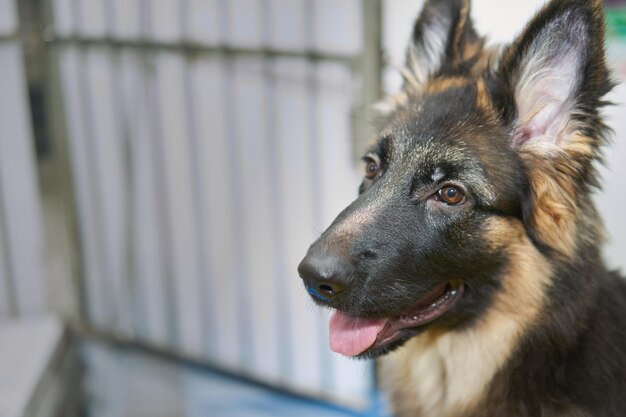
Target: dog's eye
<point x="371" y="169"/>
<point x="372" y="166"/>
<point x="450" y="195"/>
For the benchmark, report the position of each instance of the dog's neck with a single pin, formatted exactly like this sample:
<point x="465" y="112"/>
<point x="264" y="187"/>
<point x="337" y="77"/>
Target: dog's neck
<point x="447" y="374"/>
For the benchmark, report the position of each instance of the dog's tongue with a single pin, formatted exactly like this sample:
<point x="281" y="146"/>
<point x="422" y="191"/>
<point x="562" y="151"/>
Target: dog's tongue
<point x="350" y="336"/>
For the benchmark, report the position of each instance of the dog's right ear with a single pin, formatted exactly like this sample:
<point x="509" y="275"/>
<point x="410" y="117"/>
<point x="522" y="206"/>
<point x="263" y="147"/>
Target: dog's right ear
<point x="556" y="76"/>
<point x="443" y="40"/>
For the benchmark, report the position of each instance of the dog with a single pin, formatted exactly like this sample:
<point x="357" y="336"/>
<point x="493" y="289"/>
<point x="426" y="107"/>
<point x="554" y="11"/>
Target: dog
<point x="470" y="264"/>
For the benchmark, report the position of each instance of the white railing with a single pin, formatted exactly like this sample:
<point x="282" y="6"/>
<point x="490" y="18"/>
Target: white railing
<point x="210" y="144"/>
<point x="38" y="369"/>
<point x="22" y="256"/>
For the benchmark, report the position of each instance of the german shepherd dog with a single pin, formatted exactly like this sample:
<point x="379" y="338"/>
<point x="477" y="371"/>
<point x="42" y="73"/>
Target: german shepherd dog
<point x="471" y="261"/>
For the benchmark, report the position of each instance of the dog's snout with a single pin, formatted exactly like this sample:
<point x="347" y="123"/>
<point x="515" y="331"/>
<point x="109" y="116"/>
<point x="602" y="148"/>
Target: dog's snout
<point x="325" y="275"/>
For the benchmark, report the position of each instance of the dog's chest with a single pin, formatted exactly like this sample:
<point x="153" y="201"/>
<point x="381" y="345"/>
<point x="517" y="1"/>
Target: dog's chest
<point x="446" y="376"/>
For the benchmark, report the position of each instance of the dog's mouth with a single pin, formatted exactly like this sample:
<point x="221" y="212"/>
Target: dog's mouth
<point x="361" y="337"/>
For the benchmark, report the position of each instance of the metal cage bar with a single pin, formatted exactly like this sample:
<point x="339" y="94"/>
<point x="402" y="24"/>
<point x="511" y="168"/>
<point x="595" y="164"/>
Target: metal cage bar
<point x="151" y="107"/>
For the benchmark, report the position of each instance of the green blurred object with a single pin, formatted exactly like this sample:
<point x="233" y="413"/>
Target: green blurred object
<point x="616" y="21"/>
<point x="616" y="38"/>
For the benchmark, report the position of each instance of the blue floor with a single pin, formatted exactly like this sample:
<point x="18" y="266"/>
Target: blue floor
<point x="123" y="384"/>
<point x="227" y="398"/>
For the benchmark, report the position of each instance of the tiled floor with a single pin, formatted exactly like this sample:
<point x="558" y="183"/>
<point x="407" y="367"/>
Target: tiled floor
<point x="122" y="384"/>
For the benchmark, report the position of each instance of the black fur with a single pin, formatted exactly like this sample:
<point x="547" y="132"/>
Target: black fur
<point x="399" y="240"/>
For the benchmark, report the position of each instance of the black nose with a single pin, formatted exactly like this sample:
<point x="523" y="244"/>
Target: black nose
<point x="325" y="275"/>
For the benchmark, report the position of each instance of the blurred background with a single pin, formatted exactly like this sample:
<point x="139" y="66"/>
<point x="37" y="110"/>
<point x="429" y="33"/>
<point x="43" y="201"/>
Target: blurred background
<point x="164" y="165"/>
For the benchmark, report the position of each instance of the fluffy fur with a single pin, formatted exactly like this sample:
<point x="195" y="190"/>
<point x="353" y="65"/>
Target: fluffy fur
<point x="540" y="328"/>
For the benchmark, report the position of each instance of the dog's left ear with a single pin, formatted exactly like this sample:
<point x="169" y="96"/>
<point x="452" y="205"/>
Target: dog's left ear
<point x="555" y="76"/>
<point x="443" y="39"/>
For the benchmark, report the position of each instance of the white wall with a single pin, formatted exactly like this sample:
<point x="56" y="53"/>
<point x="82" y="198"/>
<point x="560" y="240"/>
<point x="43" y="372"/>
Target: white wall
<point x="8" y="17"/>
<point x="611" y="201"/>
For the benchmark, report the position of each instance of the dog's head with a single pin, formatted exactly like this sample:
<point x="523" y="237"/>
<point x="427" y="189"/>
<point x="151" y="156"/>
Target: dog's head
<point x="485" y="153"/>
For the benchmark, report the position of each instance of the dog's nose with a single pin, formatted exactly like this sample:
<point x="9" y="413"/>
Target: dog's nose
<point x="325" y="275"/>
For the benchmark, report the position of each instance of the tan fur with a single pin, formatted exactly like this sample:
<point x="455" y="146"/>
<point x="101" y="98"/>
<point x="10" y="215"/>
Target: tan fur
<point x="446" y="374"/>
<point x="418" y="85"/>
<point x="473" y="50"/>
<point x="552" y="172"/>
<point x="463" y="50"/>
<point x="441" y="84"/>
<point x="412" y="86"/>
<point x="488" y="59"/>
<point x="460" y="27"/>
<point x="421" y="64"/>
<point x="424" y="59"/>
<point x="483" y="99"/>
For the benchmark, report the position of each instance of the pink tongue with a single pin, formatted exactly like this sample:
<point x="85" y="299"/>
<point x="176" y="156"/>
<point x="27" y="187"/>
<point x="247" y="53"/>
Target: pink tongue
<point x="350" y="336"/>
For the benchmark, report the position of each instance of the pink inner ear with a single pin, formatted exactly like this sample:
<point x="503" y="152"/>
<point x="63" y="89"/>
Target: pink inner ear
<point x="545" y="97"/>
<point x="549" y="121"/>
<point x="544" y="124"/>
<point x="522" y="136"/>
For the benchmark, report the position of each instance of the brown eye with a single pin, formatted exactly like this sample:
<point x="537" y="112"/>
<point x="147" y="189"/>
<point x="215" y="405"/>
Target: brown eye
<point x="371" y="169"/>
<point x="452" y="196"/>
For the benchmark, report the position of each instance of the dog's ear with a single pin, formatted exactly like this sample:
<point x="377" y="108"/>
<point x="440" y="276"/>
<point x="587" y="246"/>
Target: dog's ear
<point x="556" y="71"/>
<point x="555" y="76"/>
<point x="443" y="39"/>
